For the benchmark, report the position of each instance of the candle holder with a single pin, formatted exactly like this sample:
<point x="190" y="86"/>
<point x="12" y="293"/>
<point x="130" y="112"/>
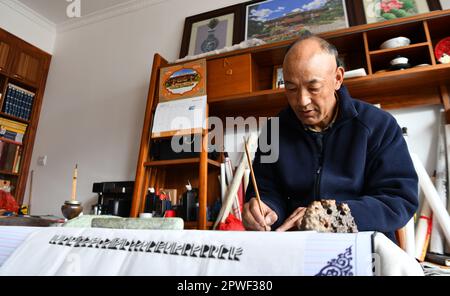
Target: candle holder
<point x="71" y="209"/>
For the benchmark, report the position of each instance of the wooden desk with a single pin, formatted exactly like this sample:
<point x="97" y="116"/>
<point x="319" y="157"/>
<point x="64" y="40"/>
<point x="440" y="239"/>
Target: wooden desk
<point x="27" y="221"/>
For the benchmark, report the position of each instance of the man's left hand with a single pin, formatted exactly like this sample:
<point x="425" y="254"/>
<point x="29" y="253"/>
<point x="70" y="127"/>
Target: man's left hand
<point x="294" y="220"/>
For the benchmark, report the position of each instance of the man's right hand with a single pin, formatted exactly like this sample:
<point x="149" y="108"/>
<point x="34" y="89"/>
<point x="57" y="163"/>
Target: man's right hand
<point x="252" y="218"/>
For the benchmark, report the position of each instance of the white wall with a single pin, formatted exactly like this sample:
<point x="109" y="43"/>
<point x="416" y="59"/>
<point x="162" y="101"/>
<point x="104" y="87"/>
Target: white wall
<point x="94" y="103"/>
<point x="19" y="20"/>
<point x="445" y="4"/>
<point x="95" y="99"/>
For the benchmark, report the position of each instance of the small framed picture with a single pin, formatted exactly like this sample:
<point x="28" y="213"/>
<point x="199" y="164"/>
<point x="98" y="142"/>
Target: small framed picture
<point x="278" y="79"/>
<point x="182" y="81"/>
<point x="384" y="10"/>
<point x="212" y="31"/>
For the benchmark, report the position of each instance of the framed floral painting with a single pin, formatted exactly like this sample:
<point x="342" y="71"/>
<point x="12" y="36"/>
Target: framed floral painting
<point x="384" y="10"/>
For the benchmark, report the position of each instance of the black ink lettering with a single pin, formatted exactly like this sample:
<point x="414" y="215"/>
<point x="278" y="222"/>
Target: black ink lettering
<point x="186" y="248"/>
<point x="204" y="250"/>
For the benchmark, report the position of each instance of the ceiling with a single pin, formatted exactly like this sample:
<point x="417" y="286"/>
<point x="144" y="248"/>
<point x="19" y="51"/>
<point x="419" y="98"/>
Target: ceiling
<point x="55" y="10"/>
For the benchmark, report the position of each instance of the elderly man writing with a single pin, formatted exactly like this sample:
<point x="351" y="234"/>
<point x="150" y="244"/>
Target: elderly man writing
<point x="332" y="146"/>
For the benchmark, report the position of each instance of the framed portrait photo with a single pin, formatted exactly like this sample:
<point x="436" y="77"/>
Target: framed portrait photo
<point x="212" y="31"/>
<point x="278" y="79"/>
<point x="277" y="20"/>
<point x="384" y="10"/>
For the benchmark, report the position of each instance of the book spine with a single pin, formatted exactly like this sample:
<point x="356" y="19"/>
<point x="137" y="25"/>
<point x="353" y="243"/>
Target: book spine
<point x="13" y="124"/>
<point x="17" y="137"/>
<point x="16" y="163"/>
<point x="11" y="129"/>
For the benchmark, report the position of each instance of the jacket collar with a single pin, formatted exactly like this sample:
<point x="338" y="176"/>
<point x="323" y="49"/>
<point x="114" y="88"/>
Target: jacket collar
<point x="346" y="107"/>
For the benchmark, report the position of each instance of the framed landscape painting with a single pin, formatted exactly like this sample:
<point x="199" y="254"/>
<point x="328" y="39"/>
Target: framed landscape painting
<point x="276" y="20"/>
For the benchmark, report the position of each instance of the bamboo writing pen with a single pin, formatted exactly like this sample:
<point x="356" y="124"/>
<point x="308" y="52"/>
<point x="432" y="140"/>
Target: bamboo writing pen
<point x="74" y="183"/>
<point x="258" y="198"/>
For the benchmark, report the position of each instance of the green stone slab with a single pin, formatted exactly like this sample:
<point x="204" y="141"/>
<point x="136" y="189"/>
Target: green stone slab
<point x="134" y="223"/>
<point x="85" y="221"/>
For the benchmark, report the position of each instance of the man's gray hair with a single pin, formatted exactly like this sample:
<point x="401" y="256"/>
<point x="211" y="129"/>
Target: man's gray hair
<point x="324" y="45"/>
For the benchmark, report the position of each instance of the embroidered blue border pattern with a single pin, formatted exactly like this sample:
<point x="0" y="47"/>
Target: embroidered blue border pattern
<point x="341" y="266"/>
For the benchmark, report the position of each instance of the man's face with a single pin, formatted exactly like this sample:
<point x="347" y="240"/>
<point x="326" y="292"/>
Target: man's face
<point x="311" y="78"/>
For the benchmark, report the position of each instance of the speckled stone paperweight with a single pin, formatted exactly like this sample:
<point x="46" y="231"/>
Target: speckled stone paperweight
<point x="328" y="216"/>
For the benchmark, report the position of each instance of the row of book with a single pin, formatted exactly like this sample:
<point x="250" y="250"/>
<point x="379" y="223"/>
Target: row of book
<point x="12" y="130"/>
<point x="18" y="102"/>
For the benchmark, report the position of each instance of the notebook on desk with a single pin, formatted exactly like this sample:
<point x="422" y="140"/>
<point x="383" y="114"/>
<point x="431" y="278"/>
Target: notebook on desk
<point x="11" y="238"/>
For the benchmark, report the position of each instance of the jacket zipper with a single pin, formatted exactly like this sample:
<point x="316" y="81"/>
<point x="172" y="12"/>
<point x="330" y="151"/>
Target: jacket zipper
<point x="319" y="170"/>
<point x="317" y="183"/>
<point x="318" y="177"/>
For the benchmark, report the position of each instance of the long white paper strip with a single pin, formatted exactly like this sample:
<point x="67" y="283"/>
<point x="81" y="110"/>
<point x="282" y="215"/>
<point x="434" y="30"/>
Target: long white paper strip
<point x="223" y="182"/>
<point x="246" y="179"/>
<point x="422" y="229"/>
<point x="447" y="149"/>
<point x="229" y="173"/>
<point x="410" y="243"/>
<point x="409" y="227"/>
<point x="437" y="240"/>
<point x="439" y="211"/>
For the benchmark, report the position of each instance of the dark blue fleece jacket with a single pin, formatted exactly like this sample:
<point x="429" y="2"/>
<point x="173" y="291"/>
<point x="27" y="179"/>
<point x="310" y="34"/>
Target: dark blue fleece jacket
<point x="362" y="160"/>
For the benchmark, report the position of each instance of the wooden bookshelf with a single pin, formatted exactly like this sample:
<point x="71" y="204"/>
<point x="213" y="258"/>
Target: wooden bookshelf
<point x="25" y="66"/>
<point x="250" y="92"/>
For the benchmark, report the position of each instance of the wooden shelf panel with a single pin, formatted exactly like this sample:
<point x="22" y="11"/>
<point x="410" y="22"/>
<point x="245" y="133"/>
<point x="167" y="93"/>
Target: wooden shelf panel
<point x="10" y="141"/>
<point x="187" y="132"/>
<point x="407" y="99"/>
<point x="260" y="103"/>
<point x="175" y="162"/>
<point x="9" y="173"/>
<point x="398" y="50"/>
<point x="214" y="163"/>
<point x="395" y="81"/>
<point x="14" y="118"/>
